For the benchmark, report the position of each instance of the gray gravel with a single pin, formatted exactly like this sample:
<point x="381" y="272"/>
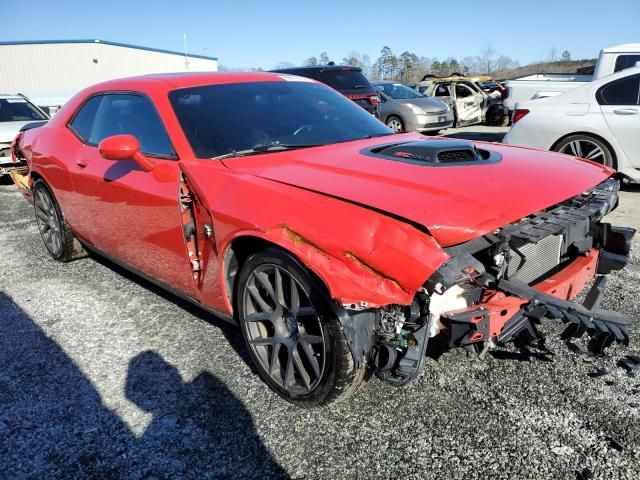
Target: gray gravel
<point x="103" y="375"/>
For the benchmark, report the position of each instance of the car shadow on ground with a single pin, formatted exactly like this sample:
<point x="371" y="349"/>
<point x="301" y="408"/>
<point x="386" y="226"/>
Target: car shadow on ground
<point x="478" y="136"/>
<point x="53" y="423"/>
<point x="5" y="180"/>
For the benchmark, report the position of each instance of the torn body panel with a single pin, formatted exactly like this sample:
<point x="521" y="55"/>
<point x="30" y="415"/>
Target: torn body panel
<point x="364" y="258"/>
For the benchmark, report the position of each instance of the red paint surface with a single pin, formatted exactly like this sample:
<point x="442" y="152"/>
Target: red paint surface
<point x="361" y="254"/>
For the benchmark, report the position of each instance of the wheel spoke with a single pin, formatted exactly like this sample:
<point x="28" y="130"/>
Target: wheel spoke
<point x="279" y="290"/>
<point x="274" y="365"/>
<point x="304" y="375"/>
<point x="595" y="153"/>
<point x="56" y="241"/>
<point x="263" y="279"/>
<point x="263" y="341"/>
<point x="258" y="317"/>
<point x="41" y="214"/>
<point x="295" y="298"/>
<point x="288" y="372"/>
<point x="576" y="148"/>
<point x="313" y="360"/>
<point x="255" y="295"/>
<point x="310" y="339"/>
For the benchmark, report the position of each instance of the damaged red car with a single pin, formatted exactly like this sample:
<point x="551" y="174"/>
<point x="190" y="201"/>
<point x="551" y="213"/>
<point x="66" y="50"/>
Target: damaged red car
<point x="338" y="246"/>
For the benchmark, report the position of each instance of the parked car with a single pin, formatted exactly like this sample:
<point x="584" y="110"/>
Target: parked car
<point x="404" y="109"/>
<point x="348" y="80"/>
<point x="541" y="85"/>
<point x="470" y="104"/>
<point x="335" y="244"/>
<point x="599" y="121"/>
<point x="15" y="112"/>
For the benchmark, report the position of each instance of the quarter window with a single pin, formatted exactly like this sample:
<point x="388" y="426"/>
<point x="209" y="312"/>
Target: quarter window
<point x="122" y="113"/>
<point x="625" y="61"/>
<point x="625" y="91"/>
<point x="83" y="119"/>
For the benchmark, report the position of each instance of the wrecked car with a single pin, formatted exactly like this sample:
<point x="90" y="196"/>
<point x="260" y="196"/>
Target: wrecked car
<point x="468" y="98"/>
<point x="16" y="111"/>
<point x="337" y="246"/>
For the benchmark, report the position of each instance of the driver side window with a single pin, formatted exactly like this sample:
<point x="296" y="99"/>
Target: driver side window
<point x="462" y="91"/>
<point x="123" y="113"/>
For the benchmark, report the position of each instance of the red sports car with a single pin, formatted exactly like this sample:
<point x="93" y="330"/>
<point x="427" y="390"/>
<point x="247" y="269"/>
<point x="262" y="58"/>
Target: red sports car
<point x="273" y="201"/>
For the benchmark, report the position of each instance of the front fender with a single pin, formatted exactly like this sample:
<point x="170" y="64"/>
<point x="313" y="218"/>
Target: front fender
<point x="363" y="256"/>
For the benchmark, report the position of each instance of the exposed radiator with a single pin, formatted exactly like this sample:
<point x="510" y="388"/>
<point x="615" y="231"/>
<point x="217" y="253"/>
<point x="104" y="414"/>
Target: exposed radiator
<point x="530" y="261"/>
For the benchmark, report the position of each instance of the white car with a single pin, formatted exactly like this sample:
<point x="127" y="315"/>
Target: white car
<point x="15" y="112"/>
<point x="599" y="121"/>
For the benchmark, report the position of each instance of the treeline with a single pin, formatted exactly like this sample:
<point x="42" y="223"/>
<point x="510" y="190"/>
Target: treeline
<point x="408" y="67"/>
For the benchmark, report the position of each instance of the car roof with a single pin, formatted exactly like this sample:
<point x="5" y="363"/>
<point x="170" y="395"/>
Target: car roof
<point x="624" y="48"/>
<point x="173" y="81"/>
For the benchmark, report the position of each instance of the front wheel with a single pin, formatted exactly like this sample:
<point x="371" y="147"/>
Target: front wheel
<point x="586" y="146"/>
<point x="395" y="123"/>
<point x="295" y="342"/>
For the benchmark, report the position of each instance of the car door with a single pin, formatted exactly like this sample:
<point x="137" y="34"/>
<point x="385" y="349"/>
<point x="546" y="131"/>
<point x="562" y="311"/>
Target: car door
<point x="620" y="104"/>
<point x="384" y="107"/>
<point x="126" y="213"/>
<point x="468" y="106"/>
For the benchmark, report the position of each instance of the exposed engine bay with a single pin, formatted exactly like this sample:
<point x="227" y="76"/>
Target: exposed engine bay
<point x="498" y="287"/>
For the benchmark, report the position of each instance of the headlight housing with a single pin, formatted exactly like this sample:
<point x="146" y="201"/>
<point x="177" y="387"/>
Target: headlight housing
<point x="415" y="109"/>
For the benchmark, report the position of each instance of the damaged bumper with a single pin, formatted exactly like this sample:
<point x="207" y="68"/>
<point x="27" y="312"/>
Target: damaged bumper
<point x="498" y="288"/>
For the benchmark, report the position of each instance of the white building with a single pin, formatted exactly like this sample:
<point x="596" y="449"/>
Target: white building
<point x="49" y="72"/>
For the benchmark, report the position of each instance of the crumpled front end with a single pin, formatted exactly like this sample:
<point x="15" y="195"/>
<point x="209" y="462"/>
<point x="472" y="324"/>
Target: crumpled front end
<point x="498" y="287"/>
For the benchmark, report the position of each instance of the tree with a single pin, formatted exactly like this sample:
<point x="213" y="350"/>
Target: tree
<point x="356" y="59"/>
<point x="324" y="58"/>
<point x="311" y="61"/>
<point x="386" y="64"/>
<point x="487" y="57"/>
<point x="454" y="66"/>
<point x="436" y="67"/>
<point x="552" y="56"/>
<point x="407" y="64"/>
<point x="566" y="56"/>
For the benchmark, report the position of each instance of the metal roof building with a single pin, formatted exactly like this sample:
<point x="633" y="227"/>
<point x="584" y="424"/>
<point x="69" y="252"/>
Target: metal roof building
<point x="51" y="71"/>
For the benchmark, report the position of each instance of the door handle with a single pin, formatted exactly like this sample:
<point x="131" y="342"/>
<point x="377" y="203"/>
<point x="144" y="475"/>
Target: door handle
<point x="625" y="111"/>
<point x="82" y="162"/>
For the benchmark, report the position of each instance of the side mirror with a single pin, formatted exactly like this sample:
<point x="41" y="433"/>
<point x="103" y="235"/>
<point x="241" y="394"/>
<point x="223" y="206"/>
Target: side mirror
<point x="125" y="147"/>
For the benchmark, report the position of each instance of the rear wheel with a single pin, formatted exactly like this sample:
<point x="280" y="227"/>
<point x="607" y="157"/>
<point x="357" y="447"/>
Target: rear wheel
<point x="55" y="232"/>
<point x="586" y="146"/>
<point x="295" y="342"/>
<point x="395" y="123"/>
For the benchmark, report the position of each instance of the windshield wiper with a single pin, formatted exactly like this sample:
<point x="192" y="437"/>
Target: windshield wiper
<point x="273" y="147"/>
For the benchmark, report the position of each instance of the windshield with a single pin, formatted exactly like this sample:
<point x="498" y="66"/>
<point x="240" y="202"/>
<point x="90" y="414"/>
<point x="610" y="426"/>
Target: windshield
<point x="222" y="119"/>
<point x="17" y="110"/>
<point x="399" y="91"/>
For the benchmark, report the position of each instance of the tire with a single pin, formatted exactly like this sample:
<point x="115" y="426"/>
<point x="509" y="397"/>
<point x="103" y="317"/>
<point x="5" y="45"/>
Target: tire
<point x="54" y="230"/>
<point x="297" y="346"/>
<point x="586" y="146"/>
<point x="395" y="123"/>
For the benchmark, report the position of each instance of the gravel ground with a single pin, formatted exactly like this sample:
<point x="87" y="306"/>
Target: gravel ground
<point x="103" y="375"/>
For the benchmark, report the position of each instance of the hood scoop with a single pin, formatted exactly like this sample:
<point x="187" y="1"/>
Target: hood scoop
<point x="435" y="153"/>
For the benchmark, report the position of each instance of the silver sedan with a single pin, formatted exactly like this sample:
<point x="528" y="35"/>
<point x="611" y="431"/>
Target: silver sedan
<point x="405" y="110"/>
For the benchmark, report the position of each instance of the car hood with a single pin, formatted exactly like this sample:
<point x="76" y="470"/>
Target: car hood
<point x="9" y="130"/>
<point x="455" y="203"/>
<point x="428" y="104"/>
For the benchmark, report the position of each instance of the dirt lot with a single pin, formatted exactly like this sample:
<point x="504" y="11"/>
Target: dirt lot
<point x="103" y="375"/>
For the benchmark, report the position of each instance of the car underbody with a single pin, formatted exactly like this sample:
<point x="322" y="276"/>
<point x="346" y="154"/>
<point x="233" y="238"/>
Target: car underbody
<point x="498" y="288"/>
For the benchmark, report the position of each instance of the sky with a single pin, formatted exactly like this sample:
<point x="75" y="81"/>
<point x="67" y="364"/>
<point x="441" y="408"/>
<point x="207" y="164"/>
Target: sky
<point x="249" y="33"/>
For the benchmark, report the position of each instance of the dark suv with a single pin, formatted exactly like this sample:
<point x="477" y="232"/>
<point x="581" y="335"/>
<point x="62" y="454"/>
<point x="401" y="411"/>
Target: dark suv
<point x="348" y="80"/>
